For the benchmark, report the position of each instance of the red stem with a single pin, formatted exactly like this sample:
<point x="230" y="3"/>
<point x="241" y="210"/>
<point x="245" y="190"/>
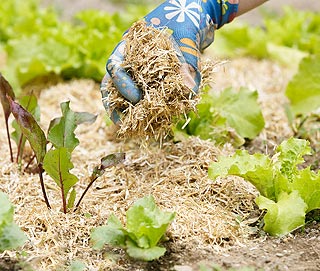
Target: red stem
<point x="64" y="200"/>
<point x="84" y="192"/>
<point x="20" y="152"/>
<point x="9" y="141"/>
<point x="42" y="186"/>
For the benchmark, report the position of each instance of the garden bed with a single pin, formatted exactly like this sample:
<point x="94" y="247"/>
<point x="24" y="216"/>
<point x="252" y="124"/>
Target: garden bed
<point x="217" y="222"/>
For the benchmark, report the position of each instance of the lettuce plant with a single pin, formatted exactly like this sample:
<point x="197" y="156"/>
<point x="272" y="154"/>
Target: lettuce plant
<point x="303" y="93"/>
<point x="11" y="236"/>
<point x="230" y="116"/>
<point x="146" y="226"/>
<point x="287" y="191"/>
<point x="286" y="38"/>
<point x="41" y="44"/>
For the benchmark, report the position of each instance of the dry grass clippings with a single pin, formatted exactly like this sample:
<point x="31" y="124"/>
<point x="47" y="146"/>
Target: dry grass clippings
<point x="152" y="62"/>
<point x="176" y="175"/>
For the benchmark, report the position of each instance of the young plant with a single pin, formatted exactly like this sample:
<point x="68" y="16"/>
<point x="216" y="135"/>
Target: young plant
<point x="303" y="93"/>
<point x="57" y="161"/>
<point x="287" y="192"/>
<point x="146" y="226"/>
<point x="230" y="116"/>
<point x="47" y="45"/>
<point x="11" y="236"/>
<point x="34" y="134"/>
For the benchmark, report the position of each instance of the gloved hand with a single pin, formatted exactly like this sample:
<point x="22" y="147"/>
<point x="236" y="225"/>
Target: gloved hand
<point x="192" y="24"/>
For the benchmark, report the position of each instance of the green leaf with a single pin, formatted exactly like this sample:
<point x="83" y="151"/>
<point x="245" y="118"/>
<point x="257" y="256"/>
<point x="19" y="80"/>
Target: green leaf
<point x="241" y="111"/>
<point x="77" y="266"/>
<point x="62" y="133"/>
<point x="287" y="56"/>
<point x="227" y="117"/>
<point x="57" y="163"/>
<point x="303" y="90"/>
<point x="290" y="155"/>
<point x="112" y="233"/>
<point x="147" y="222"/>
<point x="106" y="162"/>
<point x="146" y="225"/>
<point x="30" y="129"/>
<point x="6" y="210"/>
<point x="285" y="215"/>
<point x="11" y="235"/>
<point x="256" y="168"/>
<point x="72" y="198"/>
<point x="308" y="185"/>
<point x="144" y="254"/>
<point x="85" y="117"/>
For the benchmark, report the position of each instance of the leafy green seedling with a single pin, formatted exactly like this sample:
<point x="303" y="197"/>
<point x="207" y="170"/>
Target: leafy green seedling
<point x="52" y="47"/>
<point x="287" y="192"/>
<point x="303" y="93"/>
<point x="57" y="161"/>
<point x="6" y="91"/>
<point x="146" y="225"/>
<point x="11" y="236"/>
<point x="106" y="162"/>
<point x="77" y="266"/>
<point x="226" y="117"/>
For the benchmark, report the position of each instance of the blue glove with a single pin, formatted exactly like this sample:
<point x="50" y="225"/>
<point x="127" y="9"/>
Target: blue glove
<point x="192" y="24"/>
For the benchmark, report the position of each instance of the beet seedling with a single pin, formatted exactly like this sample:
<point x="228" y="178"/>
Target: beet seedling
<point x="57" y="160"/>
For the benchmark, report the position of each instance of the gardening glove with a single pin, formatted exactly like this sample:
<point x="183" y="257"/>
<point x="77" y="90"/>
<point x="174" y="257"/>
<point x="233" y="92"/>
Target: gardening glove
<point x="192" y="24"/>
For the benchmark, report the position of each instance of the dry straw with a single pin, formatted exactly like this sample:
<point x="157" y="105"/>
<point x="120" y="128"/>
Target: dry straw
<point x="176" y="175"/>
<point x="152" y="62"/>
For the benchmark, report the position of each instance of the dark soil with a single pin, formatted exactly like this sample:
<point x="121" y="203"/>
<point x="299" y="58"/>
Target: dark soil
<point x="9" y="264"/>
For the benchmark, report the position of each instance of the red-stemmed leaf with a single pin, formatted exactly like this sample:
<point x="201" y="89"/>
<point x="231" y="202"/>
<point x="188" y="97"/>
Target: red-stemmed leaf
<point x="106" y="162"/>
<point x="6" y="90"/>
<point x="34" y="134"/>
<point x="30" y="129"/>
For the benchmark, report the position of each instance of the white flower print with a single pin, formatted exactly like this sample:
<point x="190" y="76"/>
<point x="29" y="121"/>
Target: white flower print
<point x="181" y="9"/>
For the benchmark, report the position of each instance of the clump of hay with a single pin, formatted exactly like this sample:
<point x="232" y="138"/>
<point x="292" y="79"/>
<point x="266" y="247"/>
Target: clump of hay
<point x="152" y="62"/>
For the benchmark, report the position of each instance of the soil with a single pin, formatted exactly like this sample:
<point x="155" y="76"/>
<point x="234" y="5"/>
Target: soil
<point x="297" y="251"/>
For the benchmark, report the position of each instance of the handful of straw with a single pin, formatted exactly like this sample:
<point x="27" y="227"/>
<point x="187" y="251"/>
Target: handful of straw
<point x="152" y="62"/>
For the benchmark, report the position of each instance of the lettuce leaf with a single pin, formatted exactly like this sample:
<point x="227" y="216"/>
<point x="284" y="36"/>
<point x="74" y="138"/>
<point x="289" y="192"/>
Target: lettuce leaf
<point x="285" y="215"/>
<point x="38" y="43"/>
<point x="147" y="222"/>
<point x="284" y="38"/>
<point x="286" y="191"/>
<point x="146" y="225"/>
<point x="11" y="236"/>
<point x="303" y="91"/>
<point x="256" y="168"/>
<point x="230" y="116"/>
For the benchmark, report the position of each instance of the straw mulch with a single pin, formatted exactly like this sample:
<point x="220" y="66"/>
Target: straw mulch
<point x="211" y="215"/>
<point x="152" y="61"/>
